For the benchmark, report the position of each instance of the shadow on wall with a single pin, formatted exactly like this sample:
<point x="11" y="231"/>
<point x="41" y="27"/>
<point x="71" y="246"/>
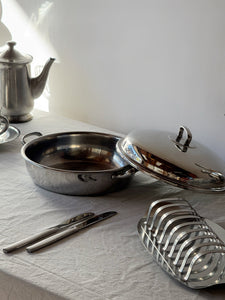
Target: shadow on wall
<point x="5" y="35"/>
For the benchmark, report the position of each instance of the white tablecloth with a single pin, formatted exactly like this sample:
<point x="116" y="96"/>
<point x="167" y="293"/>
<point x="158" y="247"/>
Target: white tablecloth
<point x="104" y="262"/>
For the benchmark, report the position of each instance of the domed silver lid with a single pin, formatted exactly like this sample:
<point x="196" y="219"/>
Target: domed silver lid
<point x="12" y="56"/>
<point x="175" y="159"/>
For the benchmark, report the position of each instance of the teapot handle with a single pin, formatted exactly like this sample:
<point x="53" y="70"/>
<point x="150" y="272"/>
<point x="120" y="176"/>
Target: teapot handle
<point x="4" y="124"/>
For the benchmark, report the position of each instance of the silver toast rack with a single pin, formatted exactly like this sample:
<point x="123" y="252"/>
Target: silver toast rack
<point x="183" y="243"/>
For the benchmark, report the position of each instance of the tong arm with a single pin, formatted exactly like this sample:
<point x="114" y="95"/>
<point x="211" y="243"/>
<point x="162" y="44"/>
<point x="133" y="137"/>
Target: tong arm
<point x="30" y="240"/>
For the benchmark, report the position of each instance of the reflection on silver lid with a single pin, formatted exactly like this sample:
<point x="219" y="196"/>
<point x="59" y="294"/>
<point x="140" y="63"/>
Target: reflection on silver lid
<point x="175" y="159"/>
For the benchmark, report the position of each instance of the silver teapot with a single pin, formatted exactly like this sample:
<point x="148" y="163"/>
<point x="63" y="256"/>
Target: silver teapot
<point x="17" y="89"/>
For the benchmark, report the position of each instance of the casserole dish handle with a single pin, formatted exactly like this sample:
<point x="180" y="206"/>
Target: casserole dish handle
<point x="35" y="133"/>
<point x="125" y="172"/>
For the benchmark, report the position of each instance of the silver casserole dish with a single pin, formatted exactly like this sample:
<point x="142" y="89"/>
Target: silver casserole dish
<point x="76" y="163"/>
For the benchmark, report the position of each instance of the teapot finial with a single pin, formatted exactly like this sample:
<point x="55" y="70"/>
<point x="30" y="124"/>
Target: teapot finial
<point x="11" y="44"/>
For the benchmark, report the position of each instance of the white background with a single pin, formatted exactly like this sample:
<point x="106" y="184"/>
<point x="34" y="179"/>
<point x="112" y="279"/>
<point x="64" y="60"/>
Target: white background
<point x="125" y="64"/>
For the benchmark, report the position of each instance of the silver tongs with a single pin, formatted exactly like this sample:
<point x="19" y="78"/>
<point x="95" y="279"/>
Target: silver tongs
<point x="58" y="232"/>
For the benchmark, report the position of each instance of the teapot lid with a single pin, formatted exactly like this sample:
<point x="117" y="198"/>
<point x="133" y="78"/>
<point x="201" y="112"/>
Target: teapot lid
<point x="174" y="159"/>
<point x="13" y="56"/>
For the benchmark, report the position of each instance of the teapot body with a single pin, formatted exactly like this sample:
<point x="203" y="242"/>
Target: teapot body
<point x="16" y="98"/>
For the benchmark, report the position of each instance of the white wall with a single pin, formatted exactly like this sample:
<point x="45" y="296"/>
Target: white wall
<point x="123" y="64"/>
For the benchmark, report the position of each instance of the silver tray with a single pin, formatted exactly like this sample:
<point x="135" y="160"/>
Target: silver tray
<point x="11" y="134"/>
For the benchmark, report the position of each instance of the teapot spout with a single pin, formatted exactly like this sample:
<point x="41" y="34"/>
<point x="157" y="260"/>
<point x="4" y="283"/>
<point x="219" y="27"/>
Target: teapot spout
<point x="37" y="84"/>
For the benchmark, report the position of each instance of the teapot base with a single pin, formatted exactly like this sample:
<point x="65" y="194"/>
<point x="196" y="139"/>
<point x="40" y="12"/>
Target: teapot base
<point x="20" y="119"/>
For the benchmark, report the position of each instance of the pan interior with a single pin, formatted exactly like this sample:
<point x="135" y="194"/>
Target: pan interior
<point x="76" y="152"/>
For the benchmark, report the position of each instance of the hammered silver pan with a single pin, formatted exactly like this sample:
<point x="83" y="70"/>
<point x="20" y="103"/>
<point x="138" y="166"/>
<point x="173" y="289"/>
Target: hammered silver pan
<point x="76" y="163"/>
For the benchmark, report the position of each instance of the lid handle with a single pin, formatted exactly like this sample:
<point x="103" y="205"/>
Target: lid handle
<point x="183" y="147"/>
